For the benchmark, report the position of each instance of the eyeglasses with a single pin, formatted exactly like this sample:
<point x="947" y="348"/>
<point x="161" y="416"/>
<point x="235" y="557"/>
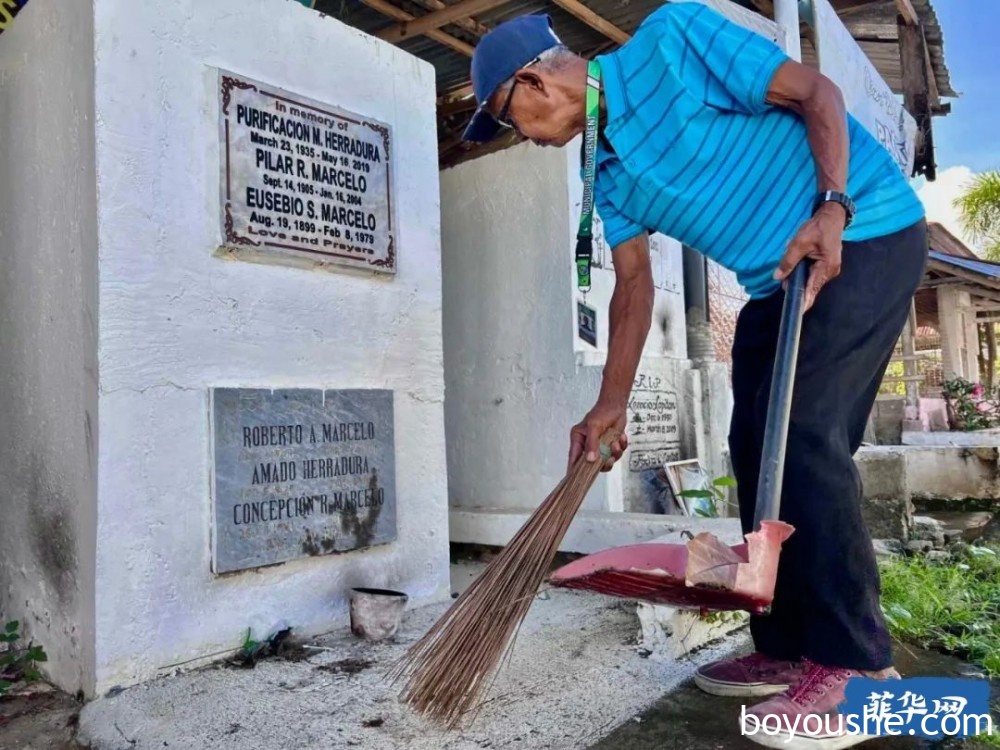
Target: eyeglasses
<point x="504" y="115"/>
<point x="504" y="118"/>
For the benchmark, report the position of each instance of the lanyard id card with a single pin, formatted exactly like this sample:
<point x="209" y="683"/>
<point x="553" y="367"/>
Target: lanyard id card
<point x="584" y="237"/>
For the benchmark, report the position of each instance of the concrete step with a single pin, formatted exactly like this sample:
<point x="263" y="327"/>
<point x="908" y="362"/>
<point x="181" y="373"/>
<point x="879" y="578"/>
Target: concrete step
<point x="967" y="526"/>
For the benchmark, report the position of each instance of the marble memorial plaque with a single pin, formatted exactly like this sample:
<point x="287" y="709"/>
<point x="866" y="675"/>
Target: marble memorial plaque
<point x="303" y="179"/>
<point x="300" y="473"/>
<point x="653" y="425"/>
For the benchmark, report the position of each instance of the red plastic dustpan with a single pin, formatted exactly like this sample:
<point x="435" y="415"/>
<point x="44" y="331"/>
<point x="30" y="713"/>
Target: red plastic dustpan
<point x="706" y="573"/>
<point x="702" y="574"/>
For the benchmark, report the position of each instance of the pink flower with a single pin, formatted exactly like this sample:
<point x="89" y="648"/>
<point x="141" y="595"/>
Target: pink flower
<point x="977" y="391"/>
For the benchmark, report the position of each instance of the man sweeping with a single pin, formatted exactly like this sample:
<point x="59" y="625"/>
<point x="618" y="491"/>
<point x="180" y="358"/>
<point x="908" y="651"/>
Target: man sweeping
<point x="709" y="133"/>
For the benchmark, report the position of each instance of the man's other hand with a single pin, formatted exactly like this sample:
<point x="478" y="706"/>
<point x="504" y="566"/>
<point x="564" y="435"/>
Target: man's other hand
<point x="820" y="239"/>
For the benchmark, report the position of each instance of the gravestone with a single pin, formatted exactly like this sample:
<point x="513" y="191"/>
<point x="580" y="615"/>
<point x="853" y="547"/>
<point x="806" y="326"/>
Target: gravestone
<point x="653" y="424"/>
<point x="300" y="473"/>
<point x="303" y="181"/>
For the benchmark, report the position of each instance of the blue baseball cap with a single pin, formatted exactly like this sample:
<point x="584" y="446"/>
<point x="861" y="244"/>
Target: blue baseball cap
<point x="499" y="55"/>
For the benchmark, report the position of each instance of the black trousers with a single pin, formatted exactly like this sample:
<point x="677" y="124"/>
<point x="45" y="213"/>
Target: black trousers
<point x="826" y="604"/>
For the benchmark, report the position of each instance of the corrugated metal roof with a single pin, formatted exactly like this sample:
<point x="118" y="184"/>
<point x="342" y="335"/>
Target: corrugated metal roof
<point x="453" y="67"/>
<point x="945" y="242"/>
<point x="982" y="267"/>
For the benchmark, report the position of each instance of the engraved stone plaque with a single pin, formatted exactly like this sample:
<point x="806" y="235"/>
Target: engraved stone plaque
<point x="653" y="426"/>
<point x="300" y="473"/>
<point x="302" y="179"/>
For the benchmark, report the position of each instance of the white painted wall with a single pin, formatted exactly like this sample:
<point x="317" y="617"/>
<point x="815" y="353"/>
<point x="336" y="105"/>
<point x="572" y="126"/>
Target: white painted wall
<point x="517" y="377"/>
<point x="668" y="334"/>
<point x="513" y="386"/>
<point x="176" y="321"/>
<point x="48" y="334"/>
<point x="959" y="337"/>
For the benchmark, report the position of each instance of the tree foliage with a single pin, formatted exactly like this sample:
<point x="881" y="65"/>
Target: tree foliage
<point x="979" y="209"/>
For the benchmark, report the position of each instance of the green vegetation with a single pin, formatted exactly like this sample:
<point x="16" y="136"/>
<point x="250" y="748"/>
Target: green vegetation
<point x="970" y="406"/>
<point x="252" y="650"/>
<point x="715" y="494"/>
<point x="979" y="209"/>
<point x="986" y="740"/>
<point x="954" y="606"/>
<point x="18" y="664"/>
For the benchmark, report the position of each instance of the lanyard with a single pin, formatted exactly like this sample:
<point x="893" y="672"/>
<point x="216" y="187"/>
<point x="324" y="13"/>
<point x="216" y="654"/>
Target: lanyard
<point x="584" y="237"/>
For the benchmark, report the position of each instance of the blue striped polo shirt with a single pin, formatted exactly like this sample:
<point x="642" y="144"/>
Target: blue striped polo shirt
<point x="699" y="155"/>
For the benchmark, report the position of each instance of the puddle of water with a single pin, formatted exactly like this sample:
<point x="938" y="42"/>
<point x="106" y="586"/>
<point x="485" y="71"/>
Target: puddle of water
<point x="689" y="719"/>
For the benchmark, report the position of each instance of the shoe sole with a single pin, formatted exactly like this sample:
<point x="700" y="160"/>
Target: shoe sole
<point x="737" y="689"/>
<point x="804" y="742"/>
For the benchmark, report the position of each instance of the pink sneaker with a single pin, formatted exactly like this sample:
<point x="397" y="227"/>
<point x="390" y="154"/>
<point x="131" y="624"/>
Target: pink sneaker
<point x="818" y="692"/>
<point x="750" y="676"/>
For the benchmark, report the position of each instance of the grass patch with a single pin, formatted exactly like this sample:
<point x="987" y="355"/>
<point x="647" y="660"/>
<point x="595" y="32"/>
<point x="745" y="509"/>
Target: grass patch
<point x="986" y="740"/>
<point x="952" y="606"/>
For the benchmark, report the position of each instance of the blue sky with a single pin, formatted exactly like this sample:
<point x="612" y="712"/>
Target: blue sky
<point x="968" y="140"/>
<point x="970" y="135"/>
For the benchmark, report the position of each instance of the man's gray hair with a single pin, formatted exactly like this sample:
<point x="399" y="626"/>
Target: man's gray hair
<point x="551" y="60"/>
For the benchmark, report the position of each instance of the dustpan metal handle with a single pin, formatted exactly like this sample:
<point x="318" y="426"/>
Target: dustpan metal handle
<point x="779" y="406"/>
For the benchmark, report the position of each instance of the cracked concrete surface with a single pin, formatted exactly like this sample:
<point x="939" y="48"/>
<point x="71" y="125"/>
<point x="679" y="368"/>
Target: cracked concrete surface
<point x="575" y="675"/>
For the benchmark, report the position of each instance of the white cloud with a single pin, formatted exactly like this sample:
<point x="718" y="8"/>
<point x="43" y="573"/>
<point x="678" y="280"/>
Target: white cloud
<point x="938" y="195"/>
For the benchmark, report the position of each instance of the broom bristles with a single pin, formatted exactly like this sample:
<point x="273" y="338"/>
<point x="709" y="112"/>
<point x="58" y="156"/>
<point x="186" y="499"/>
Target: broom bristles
<point x="448" y="669"/>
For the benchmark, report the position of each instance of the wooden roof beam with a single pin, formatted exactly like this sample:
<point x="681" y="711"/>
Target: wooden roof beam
<point x="982" y="294"/>
<point x="452" y="94"/>
<point x="766" y="7"/>
<point x="390" y="10"/>
<point x="873" y="32"/>
<point x="985" y="286"/>
<point x="593" y="20"/>
<point x="907" y="13"/>
<point x="932" y="87"/>
<point x="849" y="7"/>
<point x="468" y="24"/>
<point x="978" y="293"/>
<point x="447" y="109"/>
<point x="913" y="59"/>
<point x="936" y="282"/>
<point x="429" y="22"/>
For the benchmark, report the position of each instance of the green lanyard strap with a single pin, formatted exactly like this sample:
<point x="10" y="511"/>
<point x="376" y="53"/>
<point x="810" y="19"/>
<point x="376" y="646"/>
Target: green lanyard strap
<point x="585" y="238"/>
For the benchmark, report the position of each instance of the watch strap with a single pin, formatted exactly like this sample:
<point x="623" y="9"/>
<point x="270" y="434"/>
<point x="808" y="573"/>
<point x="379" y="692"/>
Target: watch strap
<point x="833" y="196"/>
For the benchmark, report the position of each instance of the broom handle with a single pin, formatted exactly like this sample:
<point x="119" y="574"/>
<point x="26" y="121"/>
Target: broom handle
<point x="779" y="405"/>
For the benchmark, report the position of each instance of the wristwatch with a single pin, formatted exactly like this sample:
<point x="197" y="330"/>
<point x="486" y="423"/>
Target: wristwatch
<point x="832" y="196"/>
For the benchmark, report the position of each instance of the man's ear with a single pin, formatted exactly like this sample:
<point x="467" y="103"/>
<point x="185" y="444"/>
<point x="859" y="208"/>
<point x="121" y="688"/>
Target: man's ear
<point x="531" y="79"/>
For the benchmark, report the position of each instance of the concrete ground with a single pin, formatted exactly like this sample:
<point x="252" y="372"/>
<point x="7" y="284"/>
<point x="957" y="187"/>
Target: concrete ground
<point x="576" y="674"/>
<point x="577" y="680"/>
<point x="39" y="718"/>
